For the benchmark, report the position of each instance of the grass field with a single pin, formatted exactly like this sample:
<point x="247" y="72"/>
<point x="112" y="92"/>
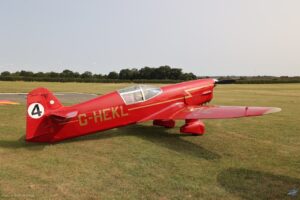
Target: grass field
<point x="248" y="158"/>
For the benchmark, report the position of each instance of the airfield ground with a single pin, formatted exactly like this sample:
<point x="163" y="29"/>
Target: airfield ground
<point x="248" y="158"/>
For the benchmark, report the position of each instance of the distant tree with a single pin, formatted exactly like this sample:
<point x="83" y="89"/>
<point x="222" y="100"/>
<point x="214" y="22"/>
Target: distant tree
<point x="26" y="73"/>
<point x="39" y="74"/>
<point x="86" y="75"/>
<point x="76" y="75"/>
<point x="5" y="73"/>
<point x="163" y="72"/>
<point x="175" y="73"/>
<point x="134" y="74"/>
<point x="146" y="73"/>
<point x="188" y="76"/>
<point x="125" y="74"/>
<point x="160" y="73"/>
<point x="129" y="74"/>
<point x="52" y="74"/>
<point x="104" y="76"/>
<point x="17" y="73"/>
<point x="98" y="76"/>
<point x="113" y="75"/>
<point x="67" y="74"/>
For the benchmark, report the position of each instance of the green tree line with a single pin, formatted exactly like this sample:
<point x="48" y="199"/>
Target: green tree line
<point x="162" y="74"/>
<point x="145" y="74"/>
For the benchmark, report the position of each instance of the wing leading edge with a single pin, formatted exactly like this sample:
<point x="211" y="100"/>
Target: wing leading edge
<point x="215" y="112"/>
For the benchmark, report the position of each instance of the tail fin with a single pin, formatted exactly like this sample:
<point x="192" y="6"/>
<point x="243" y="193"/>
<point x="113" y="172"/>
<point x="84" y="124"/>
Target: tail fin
<point x="39" y="127"/>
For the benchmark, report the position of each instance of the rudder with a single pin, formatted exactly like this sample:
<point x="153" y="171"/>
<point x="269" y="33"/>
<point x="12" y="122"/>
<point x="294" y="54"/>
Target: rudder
<point x="39" y="127"/>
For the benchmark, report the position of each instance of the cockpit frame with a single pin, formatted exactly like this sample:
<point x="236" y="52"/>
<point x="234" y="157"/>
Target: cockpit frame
<point x="136" y="94"/>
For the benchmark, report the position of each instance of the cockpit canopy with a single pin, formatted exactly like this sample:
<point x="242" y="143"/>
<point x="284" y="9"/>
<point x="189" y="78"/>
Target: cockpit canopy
<point x="138" y="93"/>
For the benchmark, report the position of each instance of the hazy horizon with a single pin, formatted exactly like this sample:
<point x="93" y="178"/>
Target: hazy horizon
<point x="183" y="70"/>
<point x="207" y="38"/>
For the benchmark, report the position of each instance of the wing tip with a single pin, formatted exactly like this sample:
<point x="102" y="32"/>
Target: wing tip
<point x="272" y="110"/>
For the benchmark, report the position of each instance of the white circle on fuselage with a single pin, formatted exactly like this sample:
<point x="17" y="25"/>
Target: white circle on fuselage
<point x="36" y="110"/>
<point x="52" y="102"/>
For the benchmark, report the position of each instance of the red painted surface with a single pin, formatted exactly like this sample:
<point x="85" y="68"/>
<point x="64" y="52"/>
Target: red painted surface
<point x="49" y="121"/>
<point x="193" y="126"/>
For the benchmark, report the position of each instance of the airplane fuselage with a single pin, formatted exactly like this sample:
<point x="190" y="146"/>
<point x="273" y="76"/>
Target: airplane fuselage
<point x="110" y="110"/>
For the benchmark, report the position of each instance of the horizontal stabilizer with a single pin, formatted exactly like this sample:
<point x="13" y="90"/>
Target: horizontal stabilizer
<point x="62" y="114"/>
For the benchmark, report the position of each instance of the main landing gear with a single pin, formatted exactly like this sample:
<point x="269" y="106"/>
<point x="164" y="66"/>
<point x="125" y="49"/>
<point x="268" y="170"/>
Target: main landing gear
<point x="191" y="126"/>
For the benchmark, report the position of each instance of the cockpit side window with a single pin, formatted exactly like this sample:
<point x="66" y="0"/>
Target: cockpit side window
<point x="150" y="91"/>
<point x="139" y="93"/>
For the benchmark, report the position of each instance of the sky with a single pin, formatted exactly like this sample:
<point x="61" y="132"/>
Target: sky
<point x="208" y="38"/>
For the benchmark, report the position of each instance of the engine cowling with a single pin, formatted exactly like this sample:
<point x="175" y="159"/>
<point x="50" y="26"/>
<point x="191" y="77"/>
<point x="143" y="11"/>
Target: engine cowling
<point x="193" y="126"/>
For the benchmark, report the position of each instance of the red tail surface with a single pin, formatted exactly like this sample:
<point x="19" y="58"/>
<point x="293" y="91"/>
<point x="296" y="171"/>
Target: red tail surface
<point x="40" y="102"/>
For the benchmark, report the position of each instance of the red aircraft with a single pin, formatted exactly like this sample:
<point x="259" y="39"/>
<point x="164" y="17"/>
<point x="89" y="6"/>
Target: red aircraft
<point x="49" y="121"/>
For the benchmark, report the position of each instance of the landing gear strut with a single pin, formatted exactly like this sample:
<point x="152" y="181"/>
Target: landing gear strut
<point x="164" y="123"/>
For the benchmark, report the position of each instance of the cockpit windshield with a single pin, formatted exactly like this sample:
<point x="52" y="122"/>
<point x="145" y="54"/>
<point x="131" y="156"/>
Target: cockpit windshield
<point x="139" y="93"/>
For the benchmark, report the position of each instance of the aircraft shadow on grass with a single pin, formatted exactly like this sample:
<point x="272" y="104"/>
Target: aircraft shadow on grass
<point x="21" y="143"/>
<point x="157" y="135"/>
<point x="250" y="184"/>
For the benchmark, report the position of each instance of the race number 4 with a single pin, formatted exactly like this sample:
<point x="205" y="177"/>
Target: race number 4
<point x="36" y="110"/>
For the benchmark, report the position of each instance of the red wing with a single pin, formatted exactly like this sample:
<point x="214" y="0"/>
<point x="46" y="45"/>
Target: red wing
<point x="221" y="112"/>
